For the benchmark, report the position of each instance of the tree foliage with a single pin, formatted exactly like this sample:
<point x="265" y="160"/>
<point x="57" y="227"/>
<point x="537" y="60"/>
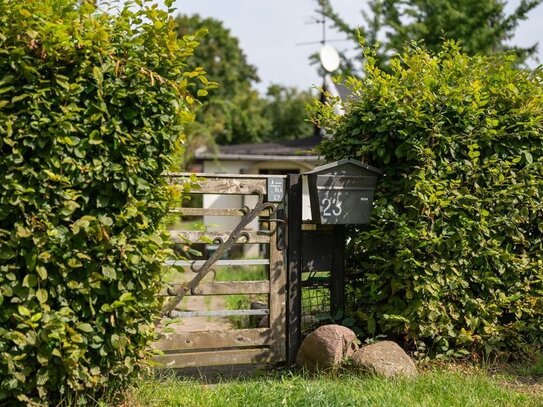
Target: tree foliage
<point x="234" y="112"/>
<point x="481" y="27"/>
<point x="92" y="105"/>
<point x="219" y="51"/>
<point x="286" y="110"/>
<point x="452" y="260"/>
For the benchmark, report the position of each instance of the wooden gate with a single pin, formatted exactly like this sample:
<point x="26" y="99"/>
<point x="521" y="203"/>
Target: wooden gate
<point x="254" y="345"/>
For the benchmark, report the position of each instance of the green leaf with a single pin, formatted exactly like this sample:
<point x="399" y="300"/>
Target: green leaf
<point x="42" y="378"/>
<point x="22" y="232"/>
<point x="25" y="312"/>
<point x="85" y="327"/>
<point x="98" y="75"/>
<point x="69" y="208"/>
<point x="42" y="271"/>
<point x="6" y="252"/>
<point x="36" y="317"/>
<point x="115" y="341"/>
<point x="31" y="258"/>
<point x="109" y="272"/>
<point x="30" y="280"/>
<point x="81" y="224"/>
<point x="18" y="98"/>
<point x="42" y="295"/>
<point x="25" y="13"/>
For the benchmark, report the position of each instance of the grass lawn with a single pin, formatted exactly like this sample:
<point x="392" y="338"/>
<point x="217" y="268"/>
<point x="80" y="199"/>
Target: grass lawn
<point x="433" y="388"/>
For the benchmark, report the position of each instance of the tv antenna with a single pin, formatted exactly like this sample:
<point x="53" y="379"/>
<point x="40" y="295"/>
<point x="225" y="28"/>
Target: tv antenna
<point x="328" y="55"/>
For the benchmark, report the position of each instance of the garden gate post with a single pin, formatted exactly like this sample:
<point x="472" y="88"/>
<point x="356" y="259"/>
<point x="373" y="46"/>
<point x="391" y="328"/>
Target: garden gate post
<point x="294" y="259"/>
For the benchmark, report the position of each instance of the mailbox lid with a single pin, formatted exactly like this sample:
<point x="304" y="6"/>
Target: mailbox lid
<point x="346" y="166"/>
<point x="347" y="182"/>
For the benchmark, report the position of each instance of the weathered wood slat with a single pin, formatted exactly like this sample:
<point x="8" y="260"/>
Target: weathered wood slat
<point x="226" y="186"/>
<point x="233" y="262"/>
<point x="202" y="175"/>
<point x="194" y="236"/>
<point x="213" y="340"/>
<point x="277" y="317"/>
<point x="218" y="313"/>
<point x="229" y="288"/>
<point x="213" y="212"/>
<point x="216" y="358"/>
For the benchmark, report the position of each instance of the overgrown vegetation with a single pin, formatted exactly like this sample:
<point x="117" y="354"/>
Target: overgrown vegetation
<point x="92" y="106"/>
<point x="452" y="260"/>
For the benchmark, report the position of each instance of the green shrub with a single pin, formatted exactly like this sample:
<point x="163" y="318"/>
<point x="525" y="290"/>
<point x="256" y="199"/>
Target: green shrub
<point x="92" y="105"/>
<point x="452" y="260"/>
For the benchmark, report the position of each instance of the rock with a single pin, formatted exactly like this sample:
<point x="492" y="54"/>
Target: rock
<point x="326" y="348"/>
<point x="384" y="359"/>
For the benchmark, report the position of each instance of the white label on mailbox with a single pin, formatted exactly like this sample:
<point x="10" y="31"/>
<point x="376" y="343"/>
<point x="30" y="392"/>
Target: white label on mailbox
<point x="331" y="207"/>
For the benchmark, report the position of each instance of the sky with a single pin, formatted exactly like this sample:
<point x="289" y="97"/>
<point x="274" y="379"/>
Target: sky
<point x="269" y="31"/>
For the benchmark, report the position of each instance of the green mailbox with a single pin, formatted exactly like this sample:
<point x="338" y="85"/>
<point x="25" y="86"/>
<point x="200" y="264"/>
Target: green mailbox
<point x="341" y="193"/>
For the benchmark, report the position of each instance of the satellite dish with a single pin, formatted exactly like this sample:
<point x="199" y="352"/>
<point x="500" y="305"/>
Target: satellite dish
<point x="329" y="58"/>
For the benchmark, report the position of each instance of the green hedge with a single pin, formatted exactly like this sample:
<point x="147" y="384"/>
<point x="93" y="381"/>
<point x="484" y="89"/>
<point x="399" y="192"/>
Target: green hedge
<point x="92" y="105"/>
<point x="452" y="260"/>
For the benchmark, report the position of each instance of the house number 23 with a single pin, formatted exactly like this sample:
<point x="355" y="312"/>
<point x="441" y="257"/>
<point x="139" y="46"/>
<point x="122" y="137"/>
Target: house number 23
<point x="332" y="207"/>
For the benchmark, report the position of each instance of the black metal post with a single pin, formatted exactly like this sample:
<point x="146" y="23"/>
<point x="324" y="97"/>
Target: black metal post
<point x="294" y="264"/>
<point x="337" y="275"/>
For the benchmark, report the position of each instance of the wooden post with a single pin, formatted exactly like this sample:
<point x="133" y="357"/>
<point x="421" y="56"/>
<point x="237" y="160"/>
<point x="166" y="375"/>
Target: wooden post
<point x="337" y="275"/>
<point x="277" y="298"/>
<point x="294" y="259"/>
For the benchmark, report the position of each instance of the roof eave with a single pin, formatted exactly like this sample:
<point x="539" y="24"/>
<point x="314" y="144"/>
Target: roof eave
<point x="258" y="157"/>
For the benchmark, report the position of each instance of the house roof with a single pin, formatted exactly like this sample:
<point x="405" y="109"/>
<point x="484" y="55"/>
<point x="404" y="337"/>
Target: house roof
<point x="289" y="150"/>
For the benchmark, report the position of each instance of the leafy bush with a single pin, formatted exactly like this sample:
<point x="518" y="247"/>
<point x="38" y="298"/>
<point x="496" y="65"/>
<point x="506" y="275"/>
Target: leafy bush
<point x="92" y="105"/>
<point x="452" y="260"/>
